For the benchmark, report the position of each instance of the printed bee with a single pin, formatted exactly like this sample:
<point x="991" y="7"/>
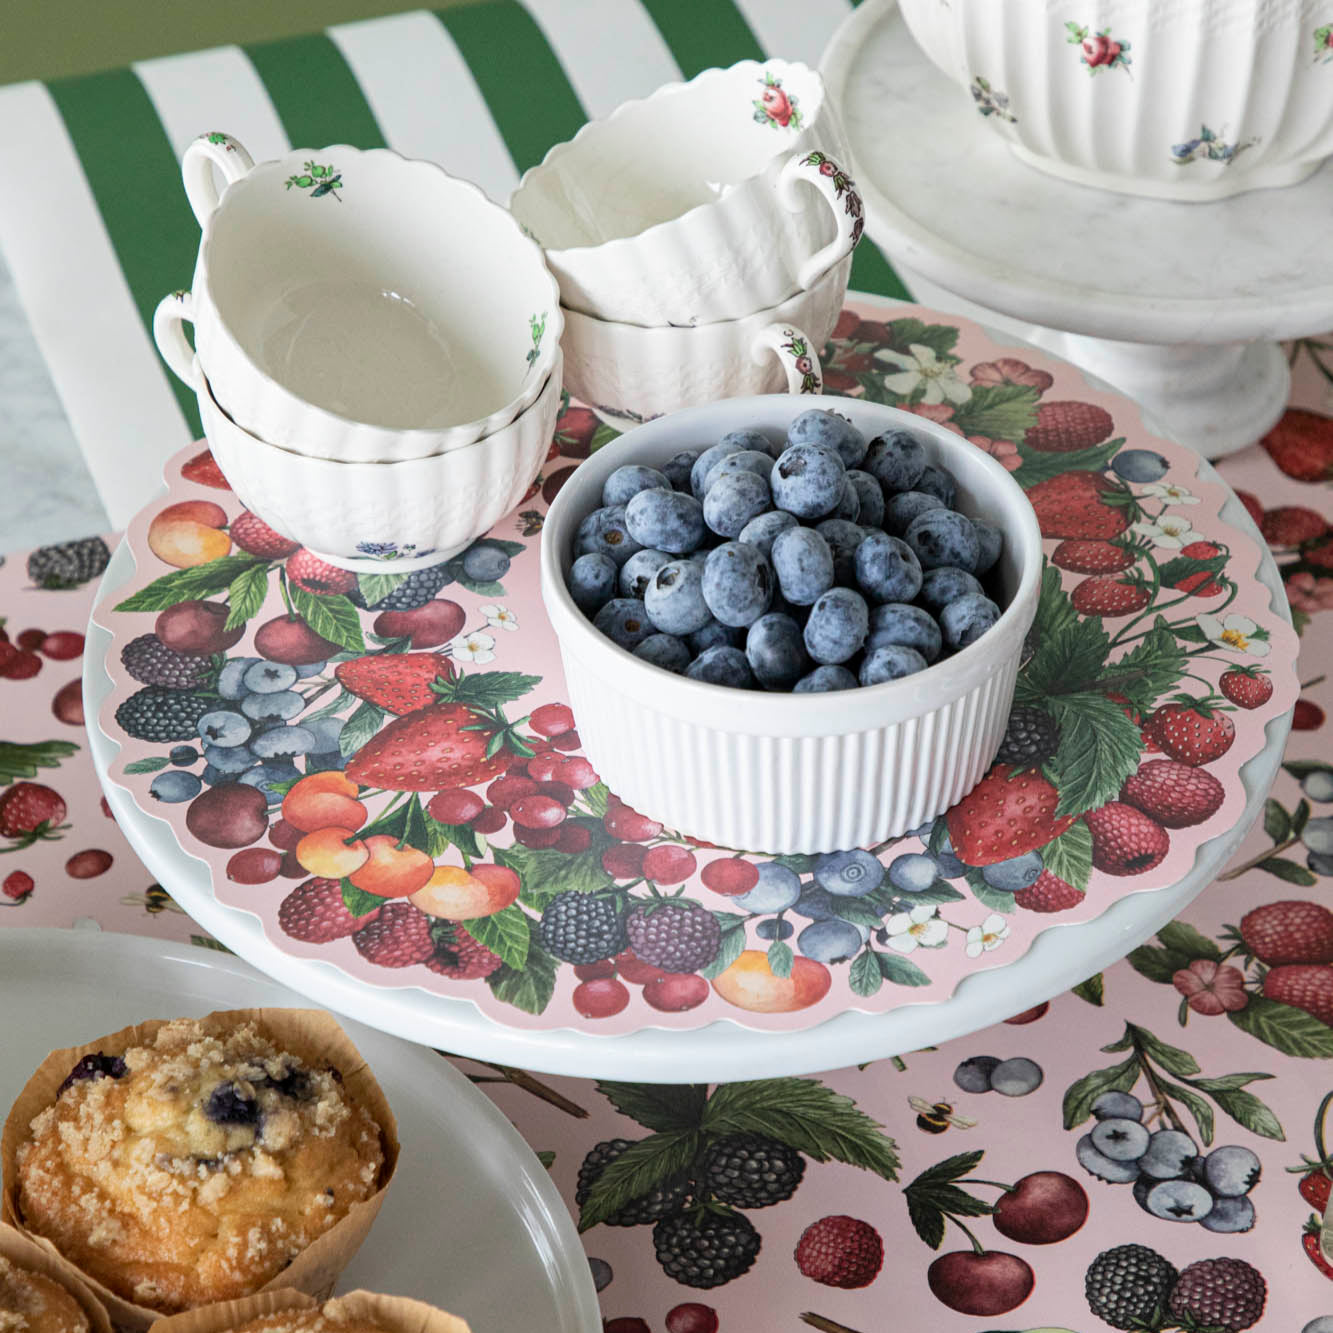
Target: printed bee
<point x="936" y="1117"/>
<point x="154" y="901"/>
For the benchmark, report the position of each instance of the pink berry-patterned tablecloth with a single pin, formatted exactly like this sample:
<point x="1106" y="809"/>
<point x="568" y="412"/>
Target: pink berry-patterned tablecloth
<point x="866" y="1199"/>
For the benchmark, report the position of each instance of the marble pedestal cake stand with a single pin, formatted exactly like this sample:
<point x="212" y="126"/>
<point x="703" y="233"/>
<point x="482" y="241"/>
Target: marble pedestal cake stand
<point x="1177" y="305"/>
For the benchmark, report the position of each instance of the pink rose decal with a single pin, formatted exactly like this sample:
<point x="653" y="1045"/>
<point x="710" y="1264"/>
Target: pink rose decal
<point x="775" y="106"/>
<point x="1100" y="50"/>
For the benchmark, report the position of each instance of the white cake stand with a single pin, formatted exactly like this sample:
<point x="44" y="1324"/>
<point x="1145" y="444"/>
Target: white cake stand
<point x="1178" y="305"/>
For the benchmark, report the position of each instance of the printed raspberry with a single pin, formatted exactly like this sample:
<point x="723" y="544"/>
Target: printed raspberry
<point x="751" y="1170"/>
<point x="1223" y="1294"/>
<point x="150" y="661"/>
<point x="1176" y="795"/>
<point x="1289" y="932"/>
<point x="840" y="1251"/>
<point x="1305" y="986"/>
<point x="252" y="534"/>
<point x="318" y="576"/>
<point x="68" y="564"/>
<point x="418" y="588"/>
<point x="582" y="927"/>
<point x="1048" y="893"/>
<point x="155" y="714"/>
<point x="1063" y="427"/>
<point x="1125" y="841"/>
<point x="1029" y="737"/>
<point x="459" y="956"/>
<point x="676" y="936"/>
<point x="665" y="1200"/>
<point x="398" y="936"/>
<point x="705" y="1250"/>
<point x="1129" y="1286"/>
<point x="315" y="912"/>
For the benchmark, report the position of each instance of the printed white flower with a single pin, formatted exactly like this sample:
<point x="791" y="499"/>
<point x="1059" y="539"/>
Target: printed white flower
<point x="923" y="367"/>
<point x="990" y="934"/>
<point x="500" y="617"/>
<point x="475" y="647"/>
<point x="1169" y="492"/>
<point x="921" y="926"/>
<point x="1171" y="531"/>
<point x="1238" y="633"/>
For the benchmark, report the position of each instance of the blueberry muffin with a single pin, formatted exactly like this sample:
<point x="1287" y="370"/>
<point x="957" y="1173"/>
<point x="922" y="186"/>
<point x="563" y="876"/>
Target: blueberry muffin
<point x="332" y="1317"/>
<point x="196" y="1166"/>
<point x="34" y="1303"/>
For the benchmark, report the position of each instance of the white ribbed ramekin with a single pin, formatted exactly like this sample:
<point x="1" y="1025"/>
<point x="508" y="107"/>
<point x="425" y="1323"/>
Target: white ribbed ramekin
<point x="385" y="518"/>
<point x="1191" y="100"/>
<point x="792" y="772"/>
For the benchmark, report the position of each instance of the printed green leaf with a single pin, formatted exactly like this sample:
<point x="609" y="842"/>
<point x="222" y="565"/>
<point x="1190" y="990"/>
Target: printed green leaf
<point x="1080" y="1095"/>
<point x="440" y="837"/>
<point x="1175" y="1061"/>
<point x="995" y="899"/>
<point x="998" y="411"/>
<point x="945" y="1172"/>
<point x="1156" y="964"/>
<point x="1067" y="659"/>
<point x="659" y="1106"/>
<point x="1093" y="990"/>
<point x="1054" y="609"/>
<point x="1277" y="823"/>
<point x="1183" y="566"/>
<point x="1038" y="466"/>
<point x="332" y="617"/>
<point x="859" y="911"/>
<point x="1070" y="855"/>
<point x="1302" y="768"/>
<point x="1150" y="669"/>
<point x="529" y="989"/>
<point x="485" y="689"/>
<point x="341" y="702"/>
<point x="245" y="595"/>
<point x="364" y="722"/>
<point x="358" y="901"/>
<point x="940" y="338"/>
<point x="596" y="798"/>
<point x="375" y="587"/>
<point x="601" y="437"/>
<point x="864" y="976"/>
<point x="780" y="958"/>
<point x="1099" y="749"/>
<point x="18" y="760"/>
<point x="546" y="1156"/>
<point x="1300" y="816"/>
<point x="506" y="933"/>
<point x="932" y="1196"/>
<point x="798" y="863"/>
<point x="1189" y="633"/>
<point x="544" y="872"/>
<point x="1180" y="937"/>
<point x="184" y="584"/>
<point x="1198" y="1108"/>
<point x="511" y="549"/>
<point x="482" y="588"/>
<point x="1288" y="871"/>
<point x="1243" y="1107"/>
<point x="900" y="971"/>
<point x="937" y="895"/>
<point x="1291" y="1031"/>
<point x="729" y="949"/>
<point x="151" y="765"/>
<point x="208" y="942"/>
<point x="639" y="1170"/>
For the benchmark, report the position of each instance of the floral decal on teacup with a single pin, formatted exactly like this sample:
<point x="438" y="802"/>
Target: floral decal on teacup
<point x="844" y="187"/>
<point x="390" y="551"/>
<point x="1323" y="44"/>
<point x="220" y="140"/>
<point x="991" y="101"/>
<point x="319" y="180"/>
<point x="537" y="326"/>
<point x="805" y="364"/>
<point x="1100" y="50"/>
<point x="1207" y="147"/>
<point x="777" y="107"/>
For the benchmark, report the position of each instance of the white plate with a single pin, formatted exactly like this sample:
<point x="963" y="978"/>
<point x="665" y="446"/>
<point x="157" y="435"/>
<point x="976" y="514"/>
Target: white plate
<point x="472" y="1222"/>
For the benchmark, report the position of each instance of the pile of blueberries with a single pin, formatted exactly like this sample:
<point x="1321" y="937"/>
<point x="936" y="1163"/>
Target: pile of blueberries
<point x="821" y="563"/>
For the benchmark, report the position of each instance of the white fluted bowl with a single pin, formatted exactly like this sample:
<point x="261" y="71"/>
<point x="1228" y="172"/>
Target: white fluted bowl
<point x="1191" y="100"/>
<point x="792" y="772"/>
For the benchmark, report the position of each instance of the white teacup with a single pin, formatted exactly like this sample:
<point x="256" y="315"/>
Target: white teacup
<point x="357" y="305"/>
<point x="707" y="201"/>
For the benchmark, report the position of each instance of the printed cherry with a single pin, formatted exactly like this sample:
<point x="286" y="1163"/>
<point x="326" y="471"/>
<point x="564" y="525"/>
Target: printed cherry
<point x="1041" y="1208"/>
<point x="986" y="1282"/>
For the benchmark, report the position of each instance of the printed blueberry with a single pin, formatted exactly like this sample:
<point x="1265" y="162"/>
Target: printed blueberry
<point x="667" y="520"/>
<point x="183" y="755"/>
<point x="1174" y="1200"/>
<point x="732" y="501"/>
<point x="937" y="482"/>
<point x="1121" y="1105"/>
<point x="748" y="460"/>
<point x="887" y="569"/>
<point x="174" y="786"/>
<point x="214" y="777"/>
<point x="914" y="872"/>
<point x="737" y="583"/>
<point x="990" y="542"/>
<point x="849" y="874"/>
<point x="1104" y="1168"/>
<point x="837" y="627"/>
<point x="830" y="941"/>
<point x="665" y="651"/>
<point x="678" y="467"/>
<point x="283" y="743"/>
<point x="943" y="537"/>
<point x="973" y="1074"/>
<point x="753" y="439"/>
<point x="849" y="503"/>
<point x="778" y="889"/>
<point x="815" y="904"/>
<point x="626" y="482"/>
<point x="279" y="707"/>
<point x="1016" y="1077"/>
<point x="803" y="563"/>
<point x="901" y="510"/>
<point x="891" y="662"/>
<point x="271" y="777"/>
<point x="908" y="626"/>
<point x="1018" y="872"/>
<point x="950" y="866"/>
<point x="1230" y="1171"/>
<point x="625" y="621"/>
<point x="592" y="582"/>
<point x="269" y="677"/>
<point x="1141" y="465"/>
<point x="824" y="680"/>
<point x="1230" y="1214"/>
<point x="807" y="481"/>
<point x="966" y="620"/>
<point x="231" y="759"/>
<point x="776" y="652"/>
<point x="722" y="666"/>
<point x="843" y="537"/>
<point x="774" y="928"/>
<point x="707" y="461"/>
<point x="940" y="587"/>
<point x="484" y="563"/>
<point x="224" y="727"/>
<point x="1170" y="1154"/>
<point x="829" y="430"/>
<point x="305" y="670"/>
<point x="896" y="460"/>
<point x="604" y="532"/>
<point x="871" y="497"/>
<point x="715" y="634"/>
<point x="326" y="731"/>
<point x="231" y="679"/>
<point x="1316" y="784"/>
<point x="637" y="572"/>
<point x="763" y="531"/>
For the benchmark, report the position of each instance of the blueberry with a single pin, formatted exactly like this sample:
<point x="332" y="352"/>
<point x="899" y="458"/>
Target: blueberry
<point x="269" y="776"/>
<point x="807" y="481"/>
<point x="484" y="563"/>
<point x="224" y="727"/>
<point x="1320" y="864"/>
<point x="939" y="587"/>
<point x="829" y="430"/>
<point x="763" y="531"/>
<point x="831" y="941"/>
<point x="670" y="521"/>
<point x="231" y="679"/>
<point x="1122" y="1140"/>
<point x="1103" y="1167"/>
<point x="837" y="627"/>
<point x="778" y="889"/>
<point x="605" y="532"/>
<point x="1230" y="1214"/>
<point x="748" y="460"/>
<point x="849" y="874"/>
<point x="737" y="583"/>
<point x="871" y="497"/>
<point x="966" y="620"/>
<point x="943" y="537"/>
<point x="626" y="482"/>
<point x="1142" y="465"/>
<point x="183" y="755"/>
<point x="269" y="677"/>
<point x="1317" y="785"/>
<point x="1317" y="835"/>
<point x="279" y="707"/>
<point x="624" y="621"/>
<point x="907" y="626"/>
<point x="707" y="461"/>
<point x="815" y="903"/>
<point x="715" y="634"/>
<point x="1174" y="1200"/>
<point x="1123" y="1105"/>
<point x="665" y="651"/>
<point x="732" y="501"/>
<point x="900" y="510"/>
<point x="227" y="1104"/>
<point x="774" y="928"/>
<point x="721" y="666"/>
<point x="674" y="599"/>
<point x="1230" y="1171"/>
<point x="1016" y="1077"/>
<point x="973" y="1074"/>
<point x="775" y="651"/>
<point x="677" y="468"/>
<point x="601" y="1274"/>
<point x="174" y="786"/>
<point x="215" y="777"/>
<point x="937" y="482"/>
<point x="592" y="582"/>
<point x="637" y="572"/>
<point x="887" y="569"/>
<point x="1169" y="1155"/>
<point x="896" y="460"/>
<point x="990" y="542"/>
<point x="803" y="563"/>
<point x="891" y="662"/>
<point x="305" y="670"/>
<point x="844" y="537"/>
<point x="283" y="743"/>
<point x="913" y="872"/>
<point x="849" y="503"/>
<point x="754" y="440"/>
<point x="1018" y="872"/>
<point x="229" y="759"/>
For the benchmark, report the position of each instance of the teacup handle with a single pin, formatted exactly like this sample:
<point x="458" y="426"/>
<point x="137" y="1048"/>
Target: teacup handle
<point x="795" y="351"/>
<point x="169" y="319"/>
<point x="818" y="169"/>
<point x="218" y="150"/>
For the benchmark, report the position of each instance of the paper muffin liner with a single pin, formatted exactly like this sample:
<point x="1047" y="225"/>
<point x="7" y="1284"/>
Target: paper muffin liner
<point x="312" y="1035"/>
<point x="394" y="1314"/>
<point x="24" y="1252"/>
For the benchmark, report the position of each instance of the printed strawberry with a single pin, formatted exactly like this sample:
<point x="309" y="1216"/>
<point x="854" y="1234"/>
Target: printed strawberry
<point x="252" y="534"/>
<point x="1290" y="525"/>
<point x="1304" y="986"/>
<point x="1246" y="686"/>
<point x="1191" y="730"/>
<point x="30" y="812"/>
<point x="1307" y="716"/>
<point x="1316" y="1188"/>
<point x="318" y="576"/>
<point x="1320" y="555"/>
<point x="1048" y="893"/>
<point x="1301" y="444"/>
<point x="1110" y="596"/>
<point x="396" y="682"/>
<point x="1310" y="1244"/>
<point x="1289" y="932"/>
<point x="1085" y="557"/>
<point x="316" y="913"/>
<point x="1086" y="505"/>
<point x="1125" y="841"/>
<point x="1200" y="582"/>
<point x="1063" y="427"/>
<point x="399" y="936"/>
<point x="1136" y="717"/>
<point x="1006" y="814"/>
<point x="1176" y="795"/>
<point x="203" y="470"/>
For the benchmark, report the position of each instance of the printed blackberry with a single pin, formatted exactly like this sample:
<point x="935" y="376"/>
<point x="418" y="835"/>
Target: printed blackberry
<point x="1128" y="1286"/>
<point x="68" y="564"/>
<point x="675" y="936"/>
<point x="582" y="927"/>
<point x="1223" y="1294"/>
<point x="418" y="588"/>
<point x="666" y="1200"/>
<point x="705" y="1250"/>
<point x="150" y="661"/>
<point x="1030" y="737"/>
<point x="156" y="714"/>
<point x="752" y="1170"/>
